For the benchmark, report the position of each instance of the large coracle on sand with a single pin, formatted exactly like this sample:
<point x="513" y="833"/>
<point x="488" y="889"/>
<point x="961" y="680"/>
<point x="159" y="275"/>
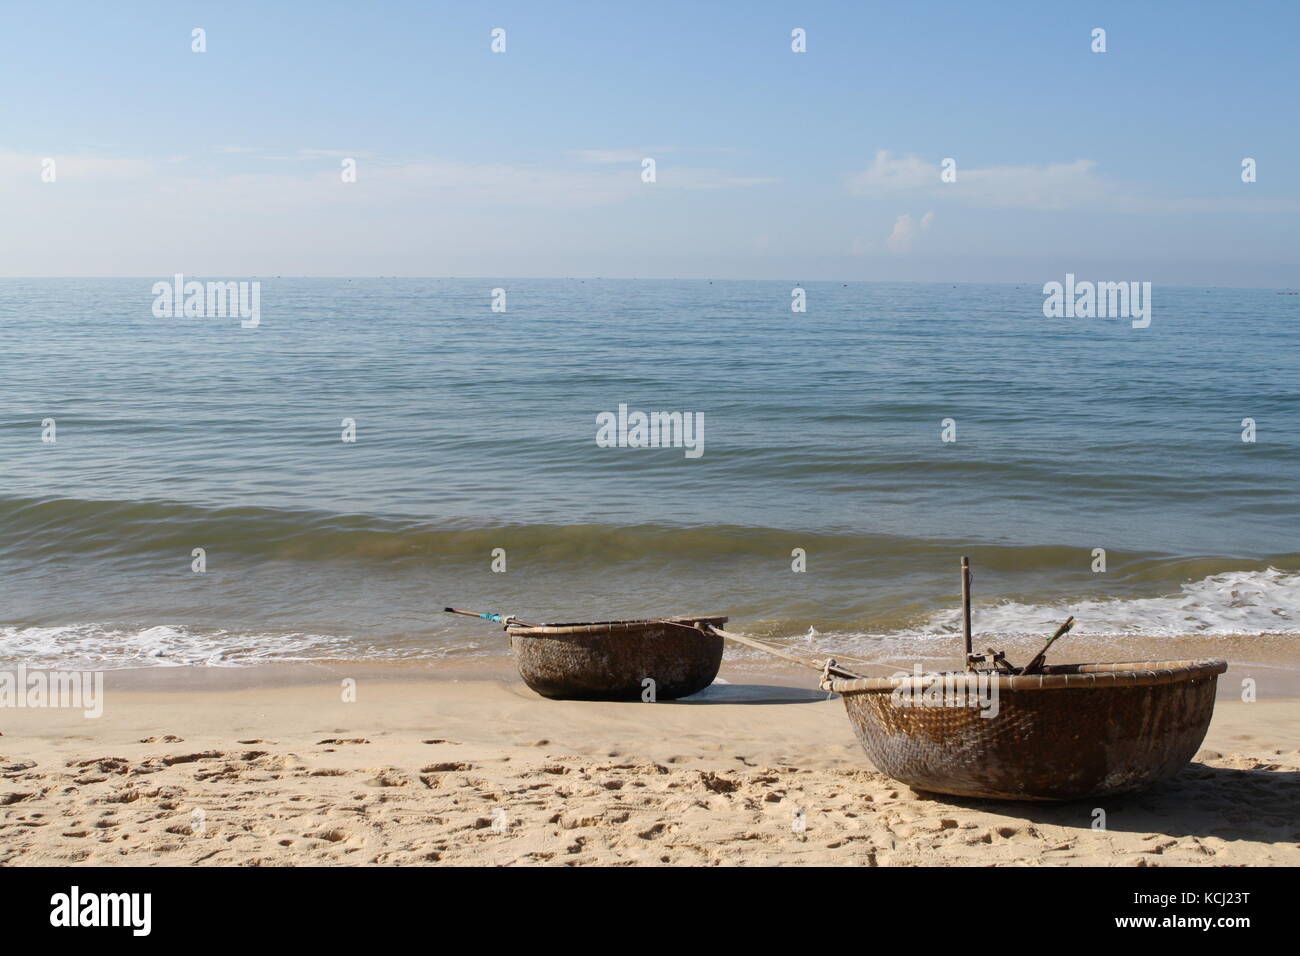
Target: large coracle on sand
<point x="1072" y="731"/>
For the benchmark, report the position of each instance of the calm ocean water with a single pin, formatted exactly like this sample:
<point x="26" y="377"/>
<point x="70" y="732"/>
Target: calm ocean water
<point x="475" y="430"/>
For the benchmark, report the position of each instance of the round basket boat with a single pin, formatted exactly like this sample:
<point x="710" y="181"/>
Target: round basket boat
<point x="1075" y="730"/>
<point x="611" y="660"/>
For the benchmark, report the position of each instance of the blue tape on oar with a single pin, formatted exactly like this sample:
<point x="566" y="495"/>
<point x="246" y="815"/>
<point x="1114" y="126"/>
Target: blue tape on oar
<point x="506" y="619"/>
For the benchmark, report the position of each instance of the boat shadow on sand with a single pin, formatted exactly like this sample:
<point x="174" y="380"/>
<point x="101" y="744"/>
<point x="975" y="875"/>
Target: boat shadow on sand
<point x="752" y="694"/>
<point x="1257" y="804"/>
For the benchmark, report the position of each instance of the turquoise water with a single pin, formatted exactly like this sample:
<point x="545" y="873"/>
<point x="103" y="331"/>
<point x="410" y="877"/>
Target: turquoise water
<point x="476" y="430"/>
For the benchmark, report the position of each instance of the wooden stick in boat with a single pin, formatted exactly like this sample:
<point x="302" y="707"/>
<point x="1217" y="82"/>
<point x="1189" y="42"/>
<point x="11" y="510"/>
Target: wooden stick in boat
<point x="780" y="652"/>
<point x="965" y="610"/>
<point x="1036" y="665"/>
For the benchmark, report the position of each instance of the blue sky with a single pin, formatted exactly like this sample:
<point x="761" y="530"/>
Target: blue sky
<point x="770" y="164"/>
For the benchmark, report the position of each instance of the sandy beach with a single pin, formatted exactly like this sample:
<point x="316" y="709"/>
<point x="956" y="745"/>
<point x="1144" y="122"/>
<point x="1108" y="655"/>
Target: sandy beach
<point x="271" y="766"/>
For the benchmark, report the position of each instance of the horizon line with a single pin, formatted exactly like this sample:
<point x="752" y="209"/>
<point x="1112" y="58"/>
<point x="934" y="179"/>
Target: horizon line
<point x="622" y="278"/>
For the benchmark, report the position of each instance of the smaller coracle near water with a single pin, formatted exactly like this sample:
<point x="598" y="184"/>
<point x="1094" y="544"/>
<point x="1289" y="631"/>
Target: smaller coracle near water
<point x="645" y="660"/>
<point x="619" y="660"/>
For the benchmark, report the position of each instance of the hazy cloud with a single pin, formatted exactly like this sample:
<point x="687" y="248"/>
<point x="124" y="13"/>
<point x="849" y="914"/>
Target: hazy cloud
<point x="906" y="231"/>
<point x="562" y="184"/>
<point x="1052" y="187"/>
<point x="618" y="155"/>
<point x="1055" y="186"/>
<point x="71" y="167"/>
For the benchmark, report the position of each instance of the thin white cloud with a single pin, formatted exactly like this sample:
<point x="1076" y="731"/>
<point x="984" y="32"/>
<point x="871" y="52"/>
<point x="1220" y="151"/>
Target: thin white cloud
<point x="607" y="156"/>
<point x="72" y="167"/>
<point x="686" y="177"/>
<point x="336" y="153"/>
<point x="561" y="185"/>
<point x="503" y="183"/>
<point x="671" y="176"/>
<point x="1052" y="187"/>
<point x="637" y="153"/>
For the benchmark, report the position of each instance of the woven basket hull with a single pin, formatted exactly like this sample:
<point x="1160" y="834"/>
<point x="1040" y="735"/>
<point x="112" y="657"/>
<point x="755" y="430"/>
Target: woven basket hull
<point x="611" y="660"/>
<point x="1053" y="742"/>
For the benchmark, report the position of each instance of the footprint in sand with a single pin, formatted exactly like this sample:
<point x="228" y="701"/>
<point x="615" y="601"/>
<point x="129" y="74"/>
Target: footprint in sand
<point x="332" y="835"/>
<point x="387" y="778"/>
<point x="174" y="759"/>
<point x="130" y="795"/>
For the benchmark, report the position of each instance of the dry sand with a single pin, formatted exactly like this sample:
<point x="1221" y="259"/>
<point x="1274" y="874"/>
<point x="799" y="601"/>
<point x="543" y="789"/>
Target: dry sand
<point x="272" y="767"/>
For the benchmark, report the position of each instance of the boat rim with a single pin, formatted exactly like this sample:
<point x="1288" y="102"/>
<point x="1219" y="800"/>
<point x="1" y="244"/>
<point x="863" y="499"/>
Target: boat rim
<point x="1055" y="677"/>
<point x="688" y="621"/>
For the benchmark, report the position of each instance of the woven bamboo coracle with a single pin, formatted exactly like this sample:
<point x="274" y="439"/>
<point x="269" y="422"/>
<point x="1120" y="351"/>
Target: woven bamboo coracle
<point x="610" y="660"/>
<point x="1073" y="731"/>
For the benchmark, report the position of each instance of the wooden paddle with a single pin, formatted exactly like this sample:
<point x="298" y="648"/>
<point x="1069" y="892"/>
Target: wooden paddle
<point x="505" y="619"/>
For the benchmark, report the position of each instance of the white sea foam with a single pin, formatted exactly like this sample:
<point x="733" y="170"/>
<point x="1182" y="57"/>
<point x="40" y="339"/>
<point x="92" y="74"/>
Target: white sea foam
<point x="97" y="646"/>
<point x="1223" y="605"/>
<point x="1235" y="602"/>
<point x="1232" y="603"/>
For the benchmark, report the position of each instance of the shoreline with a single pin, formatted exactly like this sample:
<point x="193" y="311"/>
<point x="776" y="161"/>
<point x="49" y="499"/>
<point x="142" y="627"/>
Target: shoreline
<point x="1272" y="660"/>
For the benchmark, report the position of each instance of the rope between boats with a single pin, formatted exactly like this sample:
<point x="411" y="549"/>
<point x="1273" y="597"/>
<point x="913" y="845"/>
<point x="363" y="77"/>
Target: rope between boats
<point x="828" y="666"/>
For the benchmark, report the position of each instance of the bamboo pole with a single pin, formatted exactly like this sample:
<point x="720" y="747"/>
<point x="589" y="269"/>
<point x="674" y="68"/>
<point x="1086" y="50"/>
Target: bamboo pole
<point x="779" y="652"/>
<point x="965" y="609"/>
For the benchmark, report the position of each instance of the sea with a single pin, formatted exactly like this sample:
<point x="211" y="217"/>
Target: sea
<point x="186" y="490"/>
